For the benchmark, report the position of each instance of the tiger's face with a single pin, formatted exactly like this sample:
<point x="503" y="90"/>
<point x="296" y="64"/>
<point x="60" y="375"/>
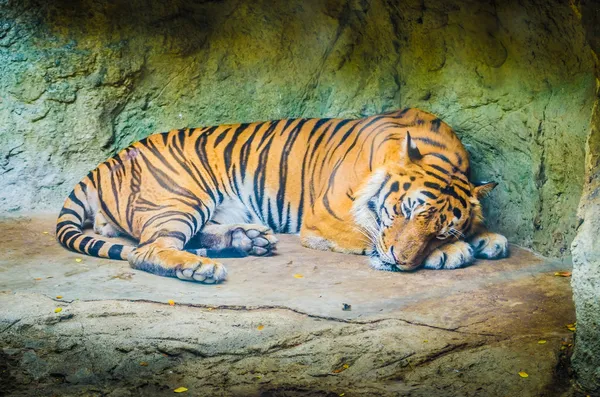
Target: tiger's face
<point x="409" y="209"/>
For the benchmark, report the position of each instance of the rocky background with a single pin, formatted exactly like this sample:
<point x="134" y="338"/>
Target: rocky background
<point x="82" y="79"/>
<point x="586" y="246"/>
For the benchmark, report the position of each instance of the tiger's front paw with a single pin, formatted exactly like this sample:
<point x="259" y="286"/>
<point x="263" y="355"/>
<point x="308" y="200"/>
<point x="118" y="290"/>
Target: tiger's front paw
<point x="450" y="256"/>
<point x="254" y="239"/>
<point x="202" y="270"/>
<point x="174" y="263"/>
<point x="489" y="245"/>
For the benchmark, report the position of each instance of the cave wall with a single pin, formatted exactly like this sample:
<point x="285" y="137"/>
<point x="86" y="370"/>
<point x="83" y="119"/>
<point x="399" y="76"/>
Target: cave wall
<point x="586" y="246"/>
<point x="82" y="79"/>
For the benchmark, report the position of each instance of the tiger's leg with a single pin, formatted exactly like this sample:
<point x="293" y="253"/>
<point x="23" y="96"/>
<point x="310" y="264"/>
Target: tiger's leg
<point x="160" y="252"/>
<point x="450" y="256"/>
<point x="249" y="239"/>
<point x="488" y="245"/>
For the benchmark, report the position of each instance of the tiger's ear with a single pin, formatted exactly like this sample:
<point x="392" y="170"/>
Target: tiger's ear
<point x="410" y="152"/>
<point x="482" y="190"/>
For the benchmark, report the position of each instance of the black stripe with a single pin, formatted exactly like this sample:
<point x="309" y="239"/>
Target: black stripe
<point x="428" y="194"/>
<point x="329" y="187"/>
<point x="68" y="235"/>
<point x="443" y="158"/>
<point x="95" y="248"/>
<point x="157" y="153"/>
<point x="287" y="148"/>
<point x="245" y="151"/>
<point x="440" y="169"/>
<point x="60" y="234"/>
<point x="75" y="200"/>
<point x="432" y="185"/>
<point x="394" y="188"/>
<point x="433" y="174"/>
<point x="227" y="153"/>
<point x="337" y="128"/>
<point x="431" y="142"/>
<point x="221" y="136"/>
<point x="65" y="211"/>
<point x="115" y="251"/>
<point x="83" y="243"/>
<point x="62" y="224"/>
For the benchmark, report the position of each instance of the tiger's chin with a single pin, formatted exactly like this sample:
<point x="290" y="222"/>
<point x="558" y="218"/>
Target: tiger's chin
<point x="377" y="263"/>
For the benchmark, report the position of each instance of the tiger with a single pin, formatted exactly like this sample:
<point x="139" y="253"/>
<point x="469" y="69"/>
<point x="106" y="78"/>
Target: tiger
<point x="394" y="187"/>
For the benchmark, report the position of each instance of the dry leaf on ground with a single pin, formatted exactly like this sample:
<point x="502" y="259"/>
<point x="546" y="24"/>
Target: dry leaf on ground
<point x="298" y="275"/>
<point x="171" y="302"/>
<point x="58" y="310"/>
<point x="180" y="390"/>
<point x="523" y="374"/>
<point x="563" y="274"/>
<point x="343" y="368"/>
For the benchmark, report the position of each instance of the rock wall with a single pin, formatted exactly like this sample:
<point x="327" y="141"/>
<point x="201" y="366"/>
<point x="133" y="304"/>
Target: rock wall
<point x="82" y="79"/>
<point x="586" y="270"/>
<point x="586" y="246"/>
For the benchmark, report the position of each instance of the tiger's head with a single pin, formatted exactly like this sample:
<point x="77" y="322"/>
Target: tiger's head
<point x="409" y="208"/>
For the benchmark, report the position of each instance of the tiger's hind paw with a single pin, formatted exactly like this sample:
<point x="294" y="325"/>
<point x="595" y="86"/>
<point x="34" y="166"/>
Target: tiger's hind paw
<point x="490" y="245"/>
<point x="450" y="256"/>
<point x="256" y="240"/>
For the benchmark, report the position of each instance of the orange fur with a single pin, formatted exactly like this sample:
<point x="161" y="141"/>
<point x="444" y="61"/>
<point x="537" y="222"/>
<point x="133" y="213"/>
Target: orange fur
<point x="319" y="177"/>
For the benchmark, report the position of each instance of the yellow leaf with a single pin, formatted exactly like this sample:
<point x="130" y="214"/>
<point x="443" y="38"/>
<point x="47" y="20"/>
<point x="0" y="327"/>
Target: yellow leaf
<point x="180" y="390"/>
<point x="144" y="364"/>
<point x="523" y="374"/>
<point x="572" y="327"/>
<point x="342" y="394"/>
<point x="45" y="232"/>
<point x="171" y="302"/>
<point x="58" y="296"/>
<point x="343" y="368"/>
<point x="260" y="327"/>
<point x="78" y="260"/>
<point x="562" y="274"/>
<point x="425" y="341"/>
<point x="542" y="341"/>
<point x="37" y="278"/>
<point x="58" y="310"/>
<point x="298" y="275"/>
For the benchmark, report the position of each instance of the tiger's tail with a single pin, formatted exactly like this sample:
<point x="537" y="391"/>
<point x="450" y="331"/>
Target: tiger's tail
<point x="69" y="229"/>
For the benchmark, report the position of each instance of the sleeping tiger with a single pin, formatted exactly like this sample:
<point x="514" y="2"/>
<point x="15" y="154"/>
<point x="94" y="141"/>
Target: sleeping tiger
<point x="392" y="186"/>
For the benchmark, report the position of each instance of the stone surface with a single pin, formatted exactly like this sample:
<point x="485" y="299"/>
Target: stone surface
<point x="265" y="332"/>
<point x="83" y="79"/>
<point x="586" y="247"/>
<point x="586" y="272"/>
